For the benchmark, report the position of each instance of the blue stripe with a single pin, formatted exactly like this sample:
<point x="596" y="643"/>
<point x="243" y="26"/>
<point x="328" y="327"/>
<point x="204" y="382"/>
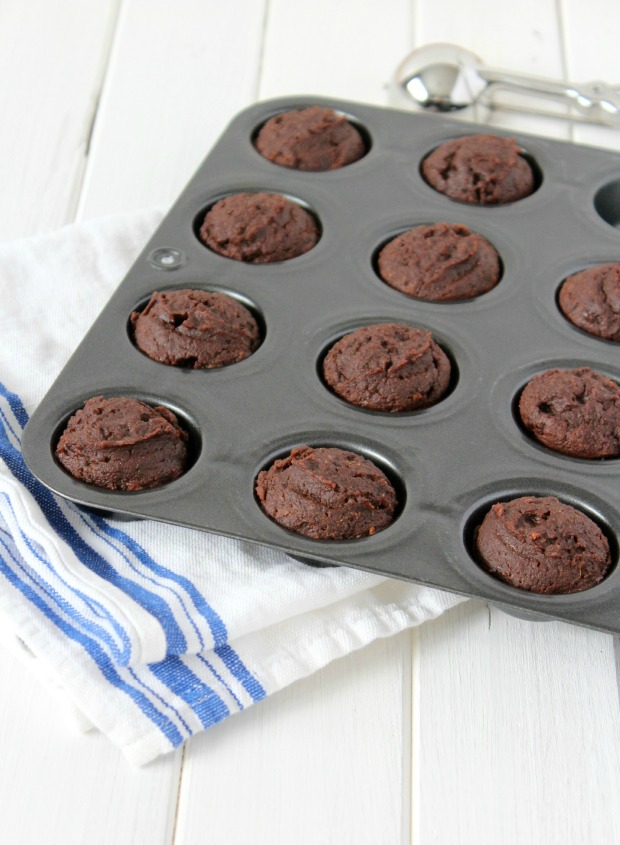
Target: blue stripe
<point x="175" y="638"/>
<point x="221" y="680"/>
<point x="8" y="425"/>
<point x="216" y="625"/>
<point x="94" y="606"/>
<point x="235" y="666"/>
<point x="68" y="609"/>
<point x="21" y="415"/>
<point x="103" y="663"/>
<point x="231" y="660"/>
<point x="41" y="604"/>
<point x="207" y="705"/>
<point x="107" y="529"/>
<point x="161" y="699"/>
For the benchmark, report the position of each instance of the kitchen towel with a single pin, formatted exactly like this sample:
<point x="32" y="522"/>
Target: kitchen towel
<point x="152" y="632"/>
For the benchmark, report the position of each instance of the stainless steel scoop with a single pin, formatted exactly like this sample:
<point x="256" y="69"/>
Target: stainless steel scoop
<point x="449" y="79"/>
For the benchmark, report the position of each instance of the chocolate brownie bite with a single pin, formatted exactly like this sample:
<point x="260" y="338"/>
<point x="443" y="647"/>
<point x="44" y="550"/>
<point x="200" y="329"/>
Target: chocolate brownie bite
<point x="122" y="443"/>
<point x="590" y="300"/>
<point x="442" y="262"/>
<point x="259" y="228"/>
<point x="575" y="412"/>
<point x="315" y="139"/>
<point x="542" y="545"/>
<point x="480" y="169"/>
<point x="195" y="328"/>
<point x="327" y="494"/>
<point x="388" y="367"/>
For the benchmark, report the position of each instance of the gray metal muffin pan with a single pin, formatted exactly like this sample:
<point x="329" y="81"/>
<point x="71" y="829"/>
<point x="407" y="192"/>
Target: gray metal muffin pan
<point x="450" y="462"/>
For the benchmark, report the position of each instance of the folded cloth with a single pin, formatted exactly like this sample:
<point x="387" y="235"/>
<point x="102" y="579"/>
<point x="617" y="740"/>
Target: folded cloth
<point x="153" y="632"/>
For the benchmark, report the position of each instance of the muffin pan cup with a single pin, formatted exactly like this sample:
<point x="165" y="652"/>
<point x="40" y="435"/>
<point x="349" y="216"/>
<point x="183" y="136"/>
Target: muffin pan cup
<point x="450" y="462"/>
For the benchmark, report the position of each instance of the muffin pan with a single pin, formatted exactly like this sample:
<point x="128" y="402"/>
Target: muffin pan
<point x="449" y="463"/>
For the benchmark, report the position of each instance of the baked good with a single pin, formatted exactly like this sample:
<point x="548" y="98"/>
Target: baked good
<point x="388" y="367"/>
<point x="575" y="412"/>
<point x="259" y="228"/>
<point x="121" y="443"/>
<point x="441" y="262"/>
<point x="315" y="138"/>
<point x="327" y="494"/>
<point x="481" y="169"/>
<point x="195" y="328"/>
<point x="591" y="300"/>
<point x="542" y="545"/>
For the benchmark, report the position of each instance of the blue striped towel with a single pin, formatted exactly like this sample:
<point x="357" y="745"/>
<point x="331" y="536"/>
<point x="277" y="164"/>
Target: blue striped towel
<point x="152" y="632"/>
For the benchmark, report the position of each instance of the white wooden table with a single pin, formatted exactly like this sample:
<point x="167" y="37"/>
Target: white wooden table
<point x="478" y="728"/>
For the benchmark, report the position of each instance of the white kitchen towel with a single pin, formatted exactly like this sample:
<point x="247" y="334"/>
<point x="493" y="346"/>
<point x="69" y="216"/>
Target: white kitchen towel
<point x="153" y="632"/>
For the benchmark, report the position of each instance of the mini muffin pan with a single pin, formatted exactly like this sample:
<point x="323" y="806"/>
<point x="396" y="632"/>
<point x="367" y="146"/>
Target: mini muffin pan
<point x="448" y="463"/>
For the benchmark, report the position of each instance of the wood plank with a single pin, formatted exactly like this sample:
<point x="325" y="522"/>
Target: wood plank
<point x="117" y="179"/>
<point x="177" y="75"/>
<point x="592" y="55"/>
<point x="347" y="49"/>
<point x="521" y="37"/>
<point x="320" y="761"/>
<point x="589" y="57"/>
<point x="307" y="741"/>
<point x="58" y="785"/>
<point x="505" y="745"/>
<point x="345" y="700"/>
<point x="52" y="57"/>
<point x="519" y="737"/>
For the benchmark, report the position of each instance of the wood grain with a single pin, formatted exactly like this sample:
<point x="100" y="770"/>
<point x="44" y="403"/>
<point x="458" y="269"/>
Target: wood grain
<point x="346" y="49"/>
<point x="512" y="728"/>
<point x="58" y="785"/>
<point x="53" y="55"/>
<point x="590" y="55"/>
<point x="176" y="77"/>
<point x="506" y="747"/>
<point x="522" y="744"/>
<point x="319" y="762"/>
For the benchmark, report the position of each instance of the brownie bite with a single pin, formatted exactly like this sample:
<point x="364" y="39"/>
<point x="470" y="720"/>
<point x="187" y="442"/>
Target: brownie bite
<point x="315" y="138"/>
<point x="441" y="262"/>
<point x="480" y="169"/>
<point x="388" y="367"/>
<point x="122" y="443"/>
<point x="259" y="228"/>
<point x="590" y="300"/>
<point x="327" y="494"/>
<point x="575" y="412"/>
<point x="542" y="545"/>
<point x="195" y="328"/>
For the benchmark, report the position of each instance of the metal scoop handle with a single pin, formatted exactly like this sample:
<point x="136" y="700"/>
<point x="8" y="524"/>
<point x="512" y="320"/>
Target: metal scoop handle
<point x="448" y="78"/>
<point x="596" y="102"/>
